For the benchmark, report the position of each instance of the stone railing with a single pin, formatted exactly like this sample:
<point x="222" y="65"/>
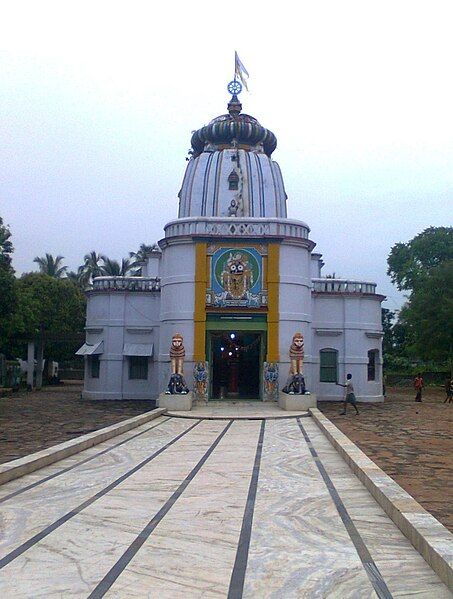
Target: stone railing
<point x="237" y="227"/>
<point x="342" y="286"/>
<point x="108" y="284"/>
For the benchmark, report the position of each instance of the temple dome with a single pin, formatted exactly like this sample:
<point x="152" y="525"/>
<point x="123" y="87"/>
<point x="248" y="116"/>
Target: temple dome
<point x="234" y="128"/>
<point x="230" y="172"/>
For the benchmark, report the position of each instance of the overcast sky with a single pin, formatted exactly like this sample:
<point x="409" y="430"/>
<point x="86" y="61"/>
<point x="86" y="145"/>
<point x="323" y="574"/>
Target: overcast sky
<point x="98" y="101"/>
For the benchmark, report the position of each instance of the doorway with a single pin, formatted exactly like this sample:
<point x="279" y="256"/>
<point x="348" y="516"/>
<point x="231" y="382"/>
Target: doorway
<point x="236" y="359"/>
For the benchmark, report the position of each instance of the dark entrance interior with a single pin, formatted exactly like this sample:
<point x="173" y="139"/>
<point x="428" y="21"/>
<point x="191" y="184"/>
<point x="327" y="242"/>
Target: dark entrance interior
<point x="236" y="364"/>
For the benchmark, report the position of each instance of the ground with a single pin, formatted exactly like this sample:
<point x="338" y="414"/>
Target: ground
<point x="411" y="442"/>
<point x="30" y="422"/>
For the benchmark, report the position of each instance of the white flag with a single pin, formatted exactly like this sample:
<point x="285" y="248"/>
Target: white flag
<point x="240" y="71"/>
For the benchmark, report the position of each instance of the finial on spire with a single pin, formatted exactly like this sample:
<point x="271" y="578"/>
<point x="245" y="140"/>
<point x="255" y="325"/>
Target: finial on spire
<point x="234" y="106"/>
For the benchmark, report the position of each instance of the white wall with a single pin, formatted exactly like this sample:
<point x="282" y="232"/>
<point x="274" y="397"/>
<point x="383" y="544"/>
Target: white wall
<point x="116" y="318"/>
<point x="351" y="325"/>
<point x="177" y="305"/>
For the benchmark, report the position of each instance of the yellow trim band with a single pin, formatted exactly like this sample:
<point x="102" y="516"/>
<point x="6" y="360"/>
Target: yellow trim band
<point x="199" y="316"/>
<point x="273" y="279"/>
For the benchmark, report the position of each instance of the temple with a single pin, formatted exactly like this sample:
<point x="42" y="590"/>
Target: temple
<point x="236" y="281"/>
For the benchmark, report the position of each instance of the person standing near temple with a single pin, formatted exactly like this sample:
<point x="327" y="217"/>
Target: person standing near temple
<point x="418" y="386"/>
<point x="349" y="395"/>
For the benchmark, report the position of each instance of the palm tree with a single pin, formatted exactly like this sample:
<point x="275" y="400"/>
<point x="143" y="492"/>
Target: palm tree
<point x="92" y="266"/>
<point x="142" y="254"/>
<point x="81" y="278"/>
<point x="51" y="266"/>
<point x="113" y="268"/>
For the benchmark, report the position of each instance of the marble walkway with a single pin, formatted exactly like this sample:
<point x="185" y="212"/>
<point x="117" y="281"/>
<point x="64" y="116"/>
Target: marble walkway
<point x="205" y="508"/>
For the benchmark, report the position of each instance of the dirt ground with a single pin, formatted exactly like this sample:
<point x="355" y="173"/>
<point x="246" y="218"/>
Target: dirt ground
<point x="411" y="442"/>
<point x="30" y="422"/>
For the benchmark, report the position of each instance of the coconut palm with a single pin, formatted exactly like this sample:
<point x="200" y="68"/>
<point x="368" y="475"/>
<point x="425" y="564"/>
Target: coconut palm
<point x="51" y="266"/>
<point x="142" y="254"/>
<point x="92" y="265"/>
<point x="113" y="268"/>
<point x="81" y="278"/>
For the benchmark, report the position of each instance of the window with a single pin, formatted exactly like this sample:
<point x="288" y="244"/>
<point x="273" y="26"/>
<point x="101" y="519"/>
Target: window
<point x="328" y="370"/>
<point x="373" y="355"/>
<point x="138" y="367"/>
<point x="233" y="180"/>
<point x="94" y="364"/>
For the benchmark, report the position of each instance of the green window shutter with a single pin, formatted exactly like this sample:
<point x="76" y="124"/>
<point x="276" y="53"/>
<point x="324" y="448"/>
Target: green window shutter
<point x="328" y="370"/>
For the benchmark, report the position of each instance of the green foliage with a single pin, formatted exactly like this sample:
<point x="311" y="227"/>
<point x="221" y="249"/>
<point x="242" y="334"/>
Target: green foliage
<point x="48" y="265"/>
<point x="92" y="266"/>
<point x="113" y="268"/>
<point x="409" y="263"/>
<point x="7" y="284"/>
<point x="429" y="315"/>
<point x="424" y="266"/>
<point x="6" y="246"/>
<point x="47" y="304"/>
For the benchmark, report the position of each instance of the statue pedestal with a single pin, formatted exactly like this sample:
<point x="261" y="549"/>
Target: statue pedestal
<point x="175" y="403"/>
<point x="293" y="403"/>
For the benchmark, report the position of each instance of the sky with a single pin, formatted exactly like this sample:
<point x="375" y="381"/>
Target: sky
<point x="98" y="101"/>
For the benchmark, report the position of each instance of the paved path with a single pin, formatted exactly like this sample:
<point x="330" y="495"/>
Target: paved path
<point x="204" y="508"/>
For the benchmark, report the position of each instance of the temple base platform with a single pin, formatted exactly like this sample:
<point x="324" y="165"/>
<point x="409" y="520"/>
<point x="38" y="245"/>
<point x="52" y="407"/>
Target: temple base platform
<point x="289" y="402"/>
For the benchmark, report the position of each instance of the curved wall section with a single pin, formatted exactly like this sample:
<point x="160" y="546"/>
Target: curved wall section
<point x="257" y="188"/>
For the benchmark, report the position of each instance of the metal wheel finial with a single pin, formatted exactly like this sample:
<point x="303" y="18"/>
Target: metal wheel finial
<point x="234" y="87"/>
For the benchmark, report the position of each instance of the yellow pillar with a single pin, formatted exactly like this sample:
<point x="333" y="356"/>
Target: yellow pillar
<point x="199" y="315"/>
<point x="273" y="278"/>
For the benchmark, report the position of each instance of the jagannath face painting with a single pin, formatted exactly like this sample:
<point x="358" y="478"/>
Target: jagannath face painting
<point x="237" y="276"/>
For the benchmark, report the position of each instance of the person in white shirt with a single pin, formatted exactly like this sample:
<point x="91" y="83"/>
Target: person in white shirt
<point x="349" y="396"/>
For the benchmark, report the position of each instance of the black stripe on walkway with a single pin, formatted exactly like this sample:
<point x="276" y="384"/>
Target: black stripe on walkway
<point x="236" y="587"/>
<point x="9" y="557"/>
<point x="371" y="569"/>
<point x="104" y="585"/>
<point x="64" y="470"/>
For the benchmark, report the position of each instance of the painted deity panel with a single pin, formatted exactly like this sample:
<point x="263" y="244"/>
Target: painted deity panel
<point x="236" y="279"/>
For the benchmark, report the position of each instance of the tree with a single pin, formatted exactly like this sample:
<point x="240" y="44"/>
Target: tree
<point x="429" y="315"/>
<point x="81" y="278"/>
<point x="424" y="266"/>
<point x="51" y="266"/>
<point x="7" y="283"/>
<point x="142" y="253"/>
<point x="113" y="268"/>
<point x="409" y="263"/>
<point x="388" y="318"/>
<point x="92" y="265"/>
<point x="6" y="246"/>
<point x="47" y="306"/>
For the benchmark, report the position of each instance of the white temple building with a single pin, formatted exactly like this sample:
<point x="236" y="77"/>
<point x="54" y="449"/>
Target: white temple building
<point x="237" y="279"/>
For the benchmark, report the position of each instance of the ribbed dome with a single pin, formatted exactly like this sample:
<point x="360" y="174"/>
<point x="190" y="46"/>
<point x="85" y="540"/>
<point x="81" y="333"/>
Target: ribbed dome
<point x="231" y="172"/>
<point x="232" y="182"/>
<point x="242" y="130"/>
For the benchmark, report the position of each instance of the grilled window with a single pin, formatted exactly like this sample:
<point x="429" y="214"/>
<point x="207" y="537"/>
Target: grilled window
<point x="328" y="370"/>
<point x="233" y="181"/>
<point x="138" y="367"/>
<point x="94" y="364"/>
<point x="373" y="356"/>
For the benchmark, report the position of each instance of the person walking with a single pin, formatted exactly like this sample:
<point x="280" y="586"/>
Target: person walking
<point x="418" y="386"/>
<point x="349" y="396"/>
